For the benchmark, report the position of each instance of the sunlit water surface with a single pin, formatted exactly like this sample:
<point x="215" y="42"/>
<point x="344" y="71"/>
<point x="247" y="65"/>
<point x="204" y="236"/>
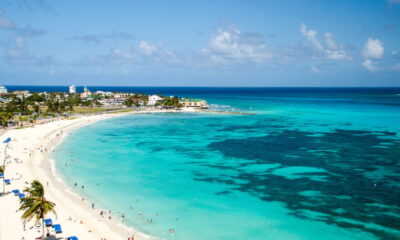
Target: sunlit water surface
<point x="308" y="165"/>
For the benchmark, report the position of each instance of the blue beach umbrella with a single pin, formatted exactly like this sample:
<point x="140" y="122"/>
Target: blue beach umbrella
<point x="57" y="228"/>
<point x="72" y="238"/>
<point x="48" y="222"/>
<point x="7" y="140"/>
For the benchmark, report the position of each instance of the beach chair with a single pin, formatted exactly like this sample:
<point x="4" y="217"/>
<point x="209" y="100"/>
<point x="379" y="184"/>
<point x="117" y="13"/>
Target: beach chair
<point x="21" y="196"/>
<point x="15" y="191"/>
<point x="72" y="238"/>
<point x="48" y="222"/>
<point x="7" y="181"/>
<point x="57" y="228"/>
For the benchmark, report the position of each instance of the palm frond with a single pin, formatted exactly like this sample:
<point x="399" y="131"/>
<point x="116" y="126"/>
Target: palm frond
<point x="35" y="205"/>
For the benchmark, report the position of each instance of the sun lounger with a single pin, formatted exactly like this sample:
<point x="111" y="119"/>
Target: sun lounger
<point x="57" y="228"/>
<point x="48" y="222"/>
<point x="7" y="181"/>
<point x="16" y="192"/>
<point x="21" y="196"/>
<point x="72" y="238"/>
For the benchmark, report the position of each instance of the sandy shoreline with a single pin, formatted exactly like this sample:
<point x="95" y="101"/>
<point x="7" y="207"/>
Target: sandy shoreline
<point x="28" y="160"/>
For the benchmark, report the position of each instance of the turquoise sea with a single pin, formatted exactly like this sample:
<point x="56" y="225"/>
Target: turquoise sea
<point x="310" y="164"/>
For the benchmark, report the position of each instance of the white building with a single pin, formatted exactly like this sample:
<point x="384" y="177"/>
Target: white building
<point x="104" y="94"/>
<point x="72" y="89"/>
<point x="153" y="99"/>
<point x="3" y="89"/>
<point x="21" y="94"/>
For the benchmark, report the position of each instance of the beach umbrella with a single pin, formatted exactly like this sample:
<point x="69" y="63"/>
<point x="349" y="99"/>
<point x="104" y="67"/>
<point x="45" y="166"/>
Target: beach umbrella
<point x="48" y="222"/>
<point x="7" y="140"/>
<point x="57" y="228"/>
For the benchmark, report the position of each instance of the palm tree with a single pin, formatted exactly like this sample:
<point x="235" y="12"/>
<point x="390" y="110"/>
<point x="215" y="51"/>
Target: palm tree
<point x="35" y="205"/>
<point x="22" y="119"/>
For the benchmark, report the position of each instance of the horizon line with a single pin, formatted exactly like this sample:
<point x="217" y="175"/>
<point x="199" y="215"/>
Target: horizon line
<point x="20" y="85"/>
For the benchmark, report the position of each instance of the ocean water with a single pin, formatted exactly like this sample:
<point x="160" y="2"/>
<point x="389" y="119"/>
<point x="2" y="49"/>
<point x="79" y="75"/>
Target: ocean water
<point x="310" y="164"/>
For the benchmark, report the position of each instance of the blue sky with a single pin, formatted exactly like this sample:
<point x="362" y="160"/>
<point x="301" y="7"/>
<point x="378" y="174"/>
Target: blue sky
<point x="200" y="43"/>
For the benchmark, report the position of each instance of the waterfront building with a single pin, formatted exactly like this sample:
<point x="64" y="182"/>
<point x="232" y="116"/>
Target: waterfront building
<point x="153" y="99"/>
<point x="22" y="93"/>
<point x="86" y="93"/>
<point x="121" y="95"/>
<point x="104" y="94"/>
<point x="3" y="90"/>
<point x="195" y="103"/>
<point x="72" y="89"/>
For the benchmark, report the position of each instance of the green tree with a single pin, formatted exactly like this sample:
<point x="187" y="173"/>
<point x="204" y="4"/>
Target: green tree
<point x="5" y="117"/>
<point x="128" y="102"/>
<point x="21" y="120"/>
<point x="36" y="108"/>
<point x="35" y="205"/>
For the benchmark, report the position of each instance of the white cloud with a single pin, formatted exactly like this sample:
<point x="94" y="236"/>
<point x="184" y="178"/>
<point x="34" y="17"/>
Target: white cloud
<point x="368" y="64"/>
<point x="334" y="51"/>
<point x="331" y="50"/>
<point x="373" y="49"/>
<point x="233" y="45"/>
<point x="147" y="49"/>
<point x="330" y="42"/>
<point x="311" y="36"/>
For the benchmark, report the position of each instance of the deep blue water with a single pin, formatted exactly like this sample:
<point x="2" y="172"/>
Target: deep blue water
<point x="282" y="91"/>
<point x="312" y="163"/>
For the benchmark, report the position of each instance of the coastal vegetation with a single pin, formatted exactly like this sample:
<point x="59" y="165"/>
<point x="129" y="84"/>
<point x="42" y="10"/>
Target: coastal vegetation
<point x="21" y="107"/>
<point x="172" y="102"/>
<point x="35" y="205"/>
<point x="136" y="100"/>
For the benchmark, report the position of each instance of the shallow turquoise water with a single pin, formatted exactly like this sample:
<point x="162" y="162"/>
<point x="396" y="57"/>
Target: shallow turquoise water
<point x="304" y="167"/>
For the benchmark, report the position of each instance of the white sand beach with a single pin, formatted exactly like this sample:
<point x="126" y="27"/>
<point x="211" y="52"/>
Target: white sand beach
<point x="27" y="160"/>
